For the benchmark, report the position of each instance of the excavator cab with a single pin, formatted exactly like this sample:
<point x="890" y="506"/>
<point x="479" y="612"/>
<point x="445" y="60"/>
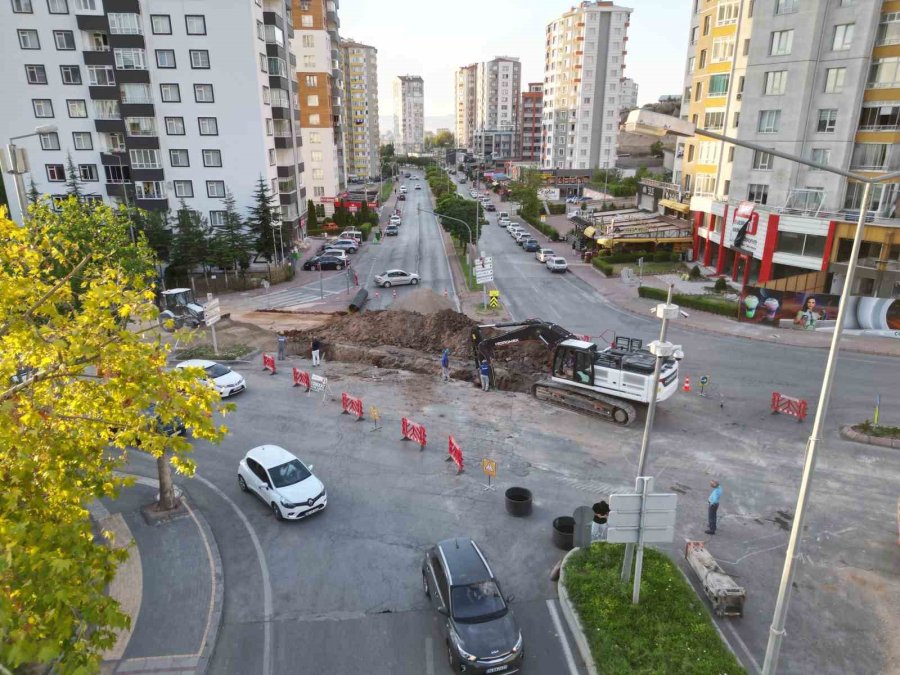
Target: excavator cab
<point x="574" y="361"/>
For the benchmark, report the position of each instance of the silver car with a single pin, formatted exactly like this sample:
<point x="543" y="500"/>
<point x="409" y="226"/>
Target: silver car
<point x="396" y="278"/>
<point x="522" y="237"/>
<point x="543" y="254"/>
<point x="557" y="264"/>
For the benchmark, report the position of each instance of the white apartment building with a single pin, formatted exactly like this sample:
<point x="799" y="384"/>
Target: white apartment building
<point x="464" y="109"/>
<point x="361" y="135"/>
<point x="498" y="92"/>
<point x="409" y="114"/>
<point x="629" y="99"/>
<point x="156" y="101"/>
<point x="584" y="63"/>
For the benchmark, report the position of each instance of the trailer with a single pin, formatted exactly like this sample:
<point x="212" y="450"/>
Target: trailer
<point x="726" y="596"/>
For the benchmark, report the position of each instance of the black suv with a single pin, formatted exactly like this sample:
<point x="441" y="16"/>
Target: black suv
<point x="482" y="634"/>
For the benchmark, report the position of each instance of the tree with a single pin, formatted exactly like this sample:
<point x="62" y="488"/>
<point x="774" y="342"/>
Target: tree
<point x="386" y="150"/>
<point x="363" y="215"/>
<point x="190" y="246"/>
<point x="231" y="243"/>
<point x="73" y="184"/>
<point x="657" y="149"/>
<point x="154" y="225"/>
<point x="76" y="375"/>
<point x="443" y="139"/>
<point x="312" y="217"/>
<point x="33" y="194"/>
<point x="524" y="191"/>
<point x="262" y="220"/>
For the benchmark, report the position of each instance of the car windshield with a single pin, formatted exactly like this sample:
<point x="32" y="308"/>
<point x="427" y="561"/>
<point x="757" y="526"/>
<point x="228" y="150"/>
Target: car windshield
<point x="217" y="370"/>
<point x="288" y="474"/>
<point x="477" y="602"/>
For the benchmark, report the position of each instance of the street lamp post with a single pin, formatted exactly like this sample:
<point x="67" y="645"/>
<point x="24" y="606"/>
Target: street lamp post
<point x="642" y="121"/>
<point x="439" y="216"/>
<point x="12" y="151"/>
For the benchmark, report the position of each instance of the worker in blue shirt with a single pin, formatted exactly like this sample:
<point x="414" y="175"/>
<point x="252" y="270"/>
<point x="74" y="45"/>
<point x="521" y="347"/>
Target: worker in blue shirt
<point x="713" y="502"/>
<point x="485" y="370"/>
<point x="445" y="365"/>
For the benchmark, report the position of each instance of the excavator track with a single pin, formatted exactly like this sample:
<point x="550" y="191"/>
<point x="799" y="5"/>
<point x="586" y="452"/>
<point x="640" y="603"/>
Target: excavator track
<point x="600" y="406"/>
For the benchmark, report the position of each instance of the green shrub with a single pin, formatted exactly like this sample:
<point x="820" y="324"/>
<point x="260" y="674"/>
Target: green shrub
<point x="603" y="266"/>
<point x="556" y="209"/>
<point x="366" y="229"/>
<point x="695" y="273"/>
<point x="702" y="302"/>
<point x="721" y="285"/>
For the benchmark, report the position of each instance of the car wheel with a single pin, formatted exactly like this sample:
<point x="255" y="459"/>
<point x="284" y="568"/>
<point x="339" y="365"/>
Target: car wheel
<point x="340" y="266"/>
<point x="387" y="284"/>
<point x="425" y="585"/>
<point x="414" y="281"/>
<point x="242" y="483"/>
<point x="277" y="512"/>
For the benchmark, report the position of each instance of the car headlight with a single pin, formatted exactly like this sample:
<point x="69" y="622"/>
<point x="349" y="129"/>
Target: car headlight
<point x="518" y="644"/>
<point x="288" y="505"/>
<point x="459" y="647"/>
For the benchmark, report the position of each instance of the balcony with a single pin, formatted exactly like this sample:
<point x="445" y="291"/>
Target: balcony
<point x="150" y="189"/>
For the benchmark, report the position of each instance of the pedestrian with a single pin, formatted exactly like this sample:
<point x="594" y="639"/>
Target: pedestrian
<point x="485" y="375"/>
<point x="445" y="365"/>
<point x="316" y="346"/>
<point x="282" y="344"/>
<point x="713" y="502"/>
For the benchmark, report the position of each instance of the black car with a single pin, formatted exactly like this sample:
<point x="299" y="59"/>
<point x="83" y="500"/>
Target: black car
<point x="531" y="245"/>
<point x="482" y="635"/>
<point x="490" y="207"/>
<point x="328" y="262"/>
<point x="407" y="174"/>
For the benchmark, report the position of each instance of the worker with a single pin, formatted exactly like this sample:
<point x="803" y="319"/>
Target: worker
<point x="485" y="370"/>
<point x="282" y="344"/>
<point x="445" y="365"/>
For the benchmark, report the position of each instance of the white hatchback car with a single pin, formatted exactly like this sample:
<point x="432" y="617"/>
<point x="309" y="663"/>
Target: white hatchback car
<point x="284" y="483"/>
<point x="557" y="264"/>
<point x="396" y="220"/>
<point x="396" y="278"/>
<point x="224" y="379"/>
<point x="337" y="253"/>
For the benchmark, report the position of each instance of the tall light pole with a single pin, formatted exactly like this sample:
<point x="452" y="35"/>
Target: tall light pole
<point x="439" y="216"/>
<point x="13" y="155"/>
<point x="642" y="121"/>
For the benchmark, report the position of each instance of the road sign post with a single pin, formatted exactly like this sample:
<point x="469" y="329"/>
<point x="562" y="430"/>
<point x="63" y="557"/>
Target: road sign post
<point x="211" y="315"/>
<point x="704" y="380"/>
<point x="489" y="467"/>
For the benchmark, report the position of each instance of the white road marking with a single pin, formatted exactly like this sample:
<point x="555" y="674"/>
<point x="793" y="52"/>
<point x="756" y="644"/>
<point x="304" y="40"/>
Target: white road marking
<point x="737" y="637"/>
<point x="429" y="656"/>
<point x="570" y="660"/>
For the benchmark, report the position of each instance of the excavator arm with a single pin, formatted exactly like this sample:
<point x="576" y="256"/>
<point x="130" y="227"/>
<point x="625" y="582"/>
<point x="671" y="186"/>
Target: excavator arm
<point x="550" y="334"/>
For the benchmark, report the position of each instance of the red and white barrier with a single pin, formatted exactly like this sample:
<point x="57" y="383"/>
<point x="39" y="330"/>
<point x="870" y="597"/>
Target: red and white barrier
<point x="413" y="432"/>
<point x="456" y="454"/>
<point x="269" y="363"/>
<point x="788" y="405"/>
<point x="301" y="378"/>
<point x="350" y="405"/>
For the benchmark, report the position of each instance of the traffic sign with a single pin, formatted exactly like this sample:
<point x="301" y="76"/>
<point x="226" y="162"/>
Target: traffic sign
<point x="625" y="518"/>
<point x="484" y="278"/>
<point x="212" y="312"/>
<point x="489" y="466"/>
<point x="494" y="302"/>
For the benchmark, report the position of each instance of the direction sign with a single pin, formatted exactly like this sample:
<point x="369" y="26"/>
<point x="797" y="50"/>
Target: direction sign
<point x="212" y="312"/>
<point x="625" y="518"/>
<point x="484" y="278"/>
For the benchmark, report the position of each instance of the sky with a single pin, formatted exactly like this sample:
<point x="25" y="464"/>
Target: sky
<point x="433" y="39"/>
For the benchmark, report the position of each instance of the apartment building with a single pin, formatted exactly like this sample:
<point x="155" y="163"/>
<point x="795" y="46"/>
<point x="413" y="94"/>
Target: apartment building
<point x="155" y="102"/>
<point x="409" y="114"/>
<point x="629" y="99"/>
<point x="584" y="61"/>
<point x="320" y="86"/>
<point x="814" y="79"/>
<point x="498" y="87"/>
<point x="532" y="114"/>
<point x="361" y="134"/>
<point x="464" y="108"/>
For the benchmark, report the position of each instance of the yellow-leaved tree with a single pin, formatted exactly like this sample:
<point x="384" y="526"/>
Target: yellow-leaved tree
<point x="83" y="378"/>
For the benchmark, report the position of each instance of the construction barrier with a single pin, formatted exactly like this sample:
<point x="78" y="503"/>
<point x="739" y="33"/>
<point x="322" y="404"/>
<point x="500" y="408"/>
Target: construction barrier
<point x="788" y="405"/>
<point x="456" y="455"/>
<point x="413" y="432"/>
<point x="301" y="378"/>
<point x="269" y="363"/>
<point x="353" y="406"/>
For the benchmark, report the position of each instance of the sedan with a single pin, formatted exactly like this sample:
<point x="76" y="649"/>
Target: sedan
<point x="391" y="231"/>
<point x="396" y="220"/>
<point x="544" y="253"/>
<point x="418" y="187"/>
<point x="490" y="207"/>
<point x="557" y="264"/>
<point x="328" y="262"/>
<point x="396" y="278"/>
<point x="531" y="245"/>
<point x="284" y="483"/>
<point x="522" y="237"/>
<point x="338" y="253"/>
<point x="401" y="197"/>
<point x="347" y="245"/>
<point x="224" y="379"/>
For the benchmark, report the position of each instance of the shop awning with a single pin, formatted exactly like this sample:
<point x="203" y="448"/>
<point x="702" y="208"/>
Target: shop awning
<point x="589" y="231"/>
<point x="675" y="206"/>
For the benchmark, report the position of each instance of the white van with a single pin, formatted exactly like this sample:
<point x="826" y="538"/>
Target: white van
<point x="503" y="215"/>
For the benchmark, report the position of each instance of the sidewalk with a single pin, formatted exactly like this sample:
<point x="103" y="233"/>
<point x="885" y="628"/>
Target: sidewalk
<point x="171" y="586"/>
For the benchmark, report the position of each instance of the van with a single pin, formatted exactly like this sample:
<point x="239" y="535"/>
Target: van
<point x="503" y="215"/>
<point x="351" y="234"/>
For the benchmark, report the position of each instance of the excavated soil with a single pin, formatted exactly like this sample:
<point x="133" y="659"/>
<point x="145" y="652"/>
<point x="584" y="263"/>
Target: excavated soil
<point x="413" y="341"/>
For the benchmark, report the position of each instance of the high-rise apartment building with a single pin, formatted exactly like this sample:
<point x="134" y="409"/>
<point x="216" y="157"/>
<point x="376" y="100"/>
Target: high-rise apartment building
<point x="464" y="95"/>
<point x="155" y="102"/>
<point x="320" y="91"/>
<point x="532" y="114"/>
<point x="629" y="94"/>
<point x="814" y="79"/>
<point x="584" y="62"/>
<point x="409" y="114"/>
<point x="361" y="135"/>
<point x="498" y="92"/>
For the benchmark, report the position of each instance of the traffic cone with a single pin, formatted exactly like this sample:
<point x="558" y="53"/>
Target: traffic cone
<point x="395" y="293"/>
<point x="445" y="293"/>
<point x="687" y="384"/>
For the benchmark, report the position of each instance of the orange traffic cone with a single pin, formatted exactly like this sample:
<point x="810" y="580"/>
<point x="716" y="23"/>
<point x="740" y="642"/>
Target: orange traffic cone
<point x="395" y="293"/>
<point x="445" y="293"/>
<point x="687" y="384"/>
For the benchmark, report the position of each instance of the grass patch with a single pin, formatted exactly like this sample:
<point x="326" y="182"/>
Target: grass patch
<point x="879" y="431"/>
<point x="669" y="632"/>
<point x="230" y="353"/>
<point x="705" y="303"/>
<point x="649" y="267"/>
<point x="386" y="190"/>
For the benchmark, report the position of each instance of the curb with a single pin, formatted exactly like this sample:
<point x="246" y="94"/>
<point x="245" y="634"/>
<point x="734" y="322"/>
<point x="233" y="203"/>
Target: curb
<point x="572" y="618"/>
<point x="849" y="434"/>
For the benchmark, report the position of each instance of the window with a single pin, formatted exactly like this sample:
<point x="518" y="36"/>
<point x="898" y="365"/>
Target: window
<point x="776" y="83"/>
<point x="727" y="12"/>
<point x="203" y="93"/>
<point x="28" y="39"/>
<point x="315" y="156"/>
<point x="43" y="107"/>
<point x="117" y="173"/>
<point x="306" y="20"/>
<point x="718" y="85"/>
<point x="827" y="120"/>
<point x="22" y="7"/>
<point x="763" y="161"/>
<point x="312" y="100"/>
<point x="170" y="92"/>
<point x="209" y="126"/>
<point x="888" y="29"/>
<point x="165" y="58"/>
<point x="709" y="152"/>
<point x="843" y="37"/>
<point x="49" y="141"/>
<point x="140" y="126"/>
<point x="272" y="157"/>
<point x="107" y="109"/>
<point x="801" y="244"/>
<point x="58" y="6"/>
<point x="782" y="42"/>
<point x="690" y="153"/>
<point x="884" y="73"/>
<point x="723" y="49"/>
<point x="820" y="156"/>
<point x="747" y="47"/>
<point x="144" y="158"/>
<point x="64" y="40"/>
<point x="880" y="117"/>
<point x="318" y="174"/>
<point x="692" y="61"/>
<point x="702" y="59"/>
<point x="149" y="189"/>
<point x="266" y="95"/>
<point x="308" y="41"/>
<point x="694" y="31"/>
<point x="86" y="5"/>
<point x="314" y="119"/>
<point x="736" y="119"/>
<point x="56" y="173"/>
<point x="82" y="140"/>
<point x="769" y="121"/>
<point x="35" y="74"/>
<point x="77" y="107"/>
<point x="215" y="189"/>
<point x="705" y="184"/>
<point x="216" y="218"/>
<point x="714" y="120"/>
<point x="757" y="192"/>
<point x="195" y="24"/>
<point x="179" y="158"/>
<point x="124" y="24"/>
<point x="130" y="59"/>
<point x="175" y="126"/>
<point x="785" y="6"/>
<point x="315" y="137"/>
<point x="264" y="63"/>
<point x="869" y="156"/>
<point x="161" y="24"/>
<point x="184" y="188"/>
<point x="309" y="61"/>
<point x="199" y="58"/>
<point x="88" y="173"/>
<point x="706" y="21"/>
<point x="101" y="76"/>
<point x="834" y="80"/>
<point x="318" y="191"/>
<point x="212" y="158"/>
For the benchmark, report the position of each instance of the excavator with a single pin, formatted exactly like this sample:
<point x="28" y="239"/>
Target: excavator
<point x="598" y="382"/>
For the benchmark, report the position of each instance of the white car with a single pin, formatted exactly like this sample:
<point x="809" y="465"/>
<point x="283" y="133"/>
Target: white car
<point x="514" y="230"/>
<point x="224" y="379"/>
<point x="355" y="235"/>
<point x="282" y="482"/>
<point x="396" y="278"/>
<point x="403" y="189"/>
<point x="557" y="264"/>
<point x="337" y="253"/>
<point x="522" y="237"/>
<point x="503" y="215"/>
<point x="396" y="220"/>
<point x="544" y="253"/>
<point x="418" y="187"/>
<point x="503" y="222"/>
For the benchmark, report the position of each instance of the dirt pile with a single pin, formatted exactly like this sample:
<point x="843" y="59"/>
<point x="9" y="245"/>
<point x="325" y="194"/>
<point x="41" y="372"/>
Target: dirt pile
<point x="423" y="301"/>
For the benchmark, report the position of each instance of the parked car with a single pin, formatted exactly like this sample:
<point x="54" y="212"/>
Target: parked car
<point x="328" y="262"/>
<point x="284" y="483"/>
<point x="531" y="245"/>
<point x="401" y="197"/>
<point x="502" y="223"/>
<point x="514" y="231"/>
<point x="396" y="278"/>
<point x="391" y="231"/>
<point x="522" y="237"/>
<point x="557" y="264"/>
<point x="418" y="187"/>
<point x="544" y="253"/>
<point x="338" y="253"/>
<point x="396" y="220"/>
<point x="355" y="235"/>
<point x="175" y="427"/>
<point x="224" y="379"/>
<point x="503" y="215"/>
<point x="348" y="245"/>
<point x="462" y="181"/>
<point x="482" y="635"/>
<point x="406" y="175"/>
<point x="490" y="207"/>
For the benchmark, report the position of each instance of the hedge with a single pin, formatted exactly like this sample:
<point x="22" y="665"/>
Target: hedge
<point x="603" y="266"/>
<point x="556" y="209"/>
<point x="702" y="302"/>
<point x="657" y="256"/>
<point x="543" y="228"/>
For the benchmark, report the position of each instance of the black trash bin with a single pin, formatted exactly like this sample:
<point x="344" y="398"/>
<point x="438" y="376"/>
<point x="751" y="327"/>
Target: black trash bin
<point x="564" y="532"/>
<point x="518" y="501"/>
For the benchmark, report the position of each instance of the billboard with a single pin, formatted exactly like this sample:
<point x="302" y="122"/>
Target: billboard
<point x="548" y="194"/>
<point x="806" y="310"/>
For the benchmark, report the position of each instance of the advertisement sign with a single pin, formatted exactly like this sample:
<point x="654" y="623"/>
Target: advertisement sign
<point x="806" y="310"/>
<point x="548" y="194"/>
<point x="742" y="229"/>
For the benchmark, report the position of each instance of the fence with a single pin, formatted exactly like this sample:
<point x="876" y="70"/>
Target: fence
<point x="813" y="282"/>
<point x="219" y="282"/>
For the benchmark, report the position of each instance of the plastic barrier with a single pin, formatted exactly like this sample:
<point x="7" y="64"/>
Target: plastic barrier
<point x="353" y="406"/>
<point x="301" y="378"/>
<point x="269" y="363"/>
<point x="788" y="405"/>
<point x="413" y="432"/>
<point x="456" y="455"/>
